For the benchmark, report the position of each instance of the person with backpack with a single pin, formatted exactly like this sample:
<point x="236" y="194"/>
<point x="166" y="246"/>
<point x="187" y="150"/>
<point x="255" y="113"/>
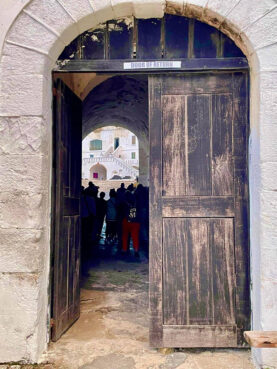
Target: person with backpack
<point x="111" y="218"/>
<point x="130" y="223"/>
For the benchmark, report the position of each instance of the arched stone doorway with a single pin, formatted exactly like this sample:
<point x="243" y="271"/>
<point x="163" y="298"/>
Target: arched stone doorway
<point x="250" y="24"/>
<point x="99" y="172"/>
<point x="198" y="119"/>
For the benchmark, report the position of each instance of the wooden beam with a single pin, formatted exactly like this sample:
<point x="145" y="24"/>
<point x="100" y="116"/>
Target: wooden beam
<point x="142" y="66"/>
<point x="261" y="339"/>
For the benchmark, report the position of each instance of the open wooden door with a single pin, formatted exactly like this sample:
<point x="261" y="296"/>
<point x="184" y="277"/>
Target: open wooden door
<point x="199" y="259"/>
<point x="66" y="220"/>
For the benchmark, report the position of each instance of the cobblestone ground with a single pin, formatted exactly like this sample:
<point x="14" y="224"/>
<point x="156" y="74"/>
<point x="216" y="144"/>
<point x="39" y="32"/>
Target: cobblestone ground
<point x="112" y="331"/>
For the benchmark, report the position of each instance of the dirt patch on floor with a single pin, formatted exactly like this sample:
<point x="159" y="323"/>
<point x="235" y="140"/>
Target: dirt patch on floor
<point x="112" y="332"/>
<point x="118" y="276"/>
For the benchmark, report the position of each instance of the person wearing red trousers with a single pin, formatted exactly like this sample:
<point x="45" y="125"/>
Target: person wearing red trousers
<point x="130" y="224"/>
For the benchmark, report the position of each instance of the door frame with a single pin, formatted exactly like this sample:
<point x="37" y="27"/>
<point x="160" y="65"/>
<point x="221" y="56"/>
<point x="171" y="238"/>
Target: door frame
<point x="193" y="66"/>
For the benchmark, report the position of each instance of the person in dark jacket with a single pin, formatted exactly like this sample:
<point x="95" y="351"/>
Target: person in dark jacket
<point x="142" y="201"/>
<point x="111" y="217"/>
<point x="101" y="208"/>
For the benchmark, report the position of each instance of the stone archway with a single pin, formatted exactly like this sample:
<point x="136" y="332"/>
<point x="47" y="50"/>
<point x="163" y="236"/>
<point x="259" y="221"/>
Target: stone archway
<point x="98" y="171"/>
<point x="122" y="101"/>
<point x="25" y="118"/>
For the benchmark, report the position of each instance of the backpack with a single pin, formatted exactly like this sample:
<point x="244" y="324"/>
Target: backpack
<point x="132" y="216"/>
<point x="132" y="212"/>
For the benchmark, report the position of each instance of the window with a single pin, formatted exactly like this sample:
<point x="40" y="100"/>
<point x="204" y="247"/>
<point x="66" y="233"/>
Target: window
<point x="133" y="155"/>
<point x="134" y="140"/>
<point x="95" y="145"/>
<point x="116" y="143"/>
<point x="95" y="175"/>
<point x="91" y="155"/>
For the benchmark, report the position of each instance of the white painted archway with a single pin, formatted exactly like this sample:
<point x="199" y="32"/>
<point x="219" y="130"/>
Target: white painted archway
<point x="33" y="34"/>
<point x="100" y="170"/>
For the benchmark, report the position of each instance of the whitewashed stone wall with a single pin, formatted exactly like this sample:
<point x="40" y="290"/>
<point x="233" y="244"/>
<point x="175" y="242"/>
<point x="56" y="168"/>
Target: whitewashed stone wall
<point x="32" y="35"/>
<point x="107" y="136"/>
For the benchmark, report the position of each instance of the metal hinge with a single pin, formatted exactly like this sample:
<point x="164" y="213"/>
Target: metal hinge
<point x="52" y="322"/>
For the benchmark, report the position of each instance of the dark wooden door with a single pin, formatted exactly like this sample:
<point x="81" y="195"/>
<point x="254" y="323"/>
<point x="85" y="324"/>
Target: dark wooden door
<point x="199" y="273"/>
<point x="66" y="221"/>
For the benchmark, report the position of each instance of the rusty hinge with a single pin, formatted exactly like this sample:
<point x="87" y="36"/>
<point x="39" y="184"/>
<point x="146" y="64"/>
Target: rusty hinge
<point x="52" y="322"/>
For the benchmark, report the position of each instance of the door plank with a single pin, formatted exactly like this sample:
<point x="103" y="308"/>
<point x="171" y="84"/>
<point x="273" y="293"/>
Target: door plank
<point x="222" y="241"/>
<point x="174" y="153"/>
<point x="241" y="190"/>
<point x="198" y="151"/>
<point x="155" y="208"/>
<point x="199" y="273"/>
<point x="199" y="336"/>
<point x="198" y="83"/>
<point x="198" y="206"/>
<point x="222" y="163"/>
<point x="175" y="283"/>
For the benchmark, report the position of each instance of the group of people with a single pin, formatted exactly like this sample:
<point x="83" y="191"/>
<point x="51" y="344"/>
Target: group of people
<point x="126" y="215"/>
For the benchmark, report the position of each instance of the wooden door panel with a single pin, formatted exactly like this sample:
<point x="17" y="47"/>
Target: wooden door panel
<point x="175" y="272"/>
<point x="198" y="145"/>
<point x="200" y="298"/>
<point x="199" y="273"/>
<point x="197" y="148"/>
<point x="66" y="211"/>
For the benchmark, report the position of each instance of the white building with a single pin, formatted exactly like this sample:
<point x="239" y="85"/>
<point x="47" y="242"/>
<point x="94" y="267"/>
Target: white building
<point x="108" y="152"/>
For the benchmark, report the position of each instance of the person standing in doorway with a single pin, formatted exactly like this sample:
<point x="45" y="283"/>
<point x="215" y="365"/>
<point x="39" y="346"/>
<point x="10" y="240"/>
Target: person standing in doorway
<point x="130" y="224"/>
<point x="111" y="218"/>
<point x="101" y="208"/>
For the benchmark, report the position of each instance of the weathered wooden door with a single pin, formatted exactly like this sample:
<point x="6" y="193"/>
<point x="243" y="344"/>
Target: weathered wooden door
<point x="199" y="277"/>
<point x="66" y="221"/>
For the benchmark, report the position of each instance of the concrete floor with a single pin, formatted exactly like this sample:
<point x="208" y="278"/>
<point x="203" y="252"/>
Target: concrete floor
<point x="112" y="332"/>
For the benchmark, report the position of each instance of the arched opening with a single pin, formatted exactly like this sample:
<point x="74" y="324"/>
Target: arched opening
<point x="120" y="162"/>
<point x="199" y="175"/>
<point x="122" y="101"/>
<point x="98" y="172"/>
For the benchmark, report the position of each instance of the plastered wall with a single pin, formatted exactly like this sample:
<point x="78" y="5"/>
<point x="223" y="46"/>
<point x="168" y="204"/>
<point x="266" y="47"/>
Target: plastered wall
<point x="32" y="35"/>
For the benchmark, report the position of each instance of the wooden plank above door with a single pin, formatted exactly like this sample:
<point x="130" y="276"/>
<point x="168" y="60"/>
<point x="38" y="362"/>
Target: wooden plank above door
<point x="118" y="65"/>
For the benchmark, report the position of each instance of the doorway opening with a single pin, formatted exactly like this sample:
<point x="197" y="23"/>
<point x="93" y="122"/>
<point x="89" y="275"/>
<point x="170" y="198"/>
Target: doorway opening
<point x="110" y="178"/>
<point x="114" y="222"/>
<point x="192" y="125"/>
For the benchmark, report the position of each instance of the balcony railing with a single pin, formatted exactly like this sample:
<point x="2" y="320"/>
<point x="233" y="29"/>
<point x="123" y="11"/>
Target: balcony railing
<point x="127" y="165"/>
